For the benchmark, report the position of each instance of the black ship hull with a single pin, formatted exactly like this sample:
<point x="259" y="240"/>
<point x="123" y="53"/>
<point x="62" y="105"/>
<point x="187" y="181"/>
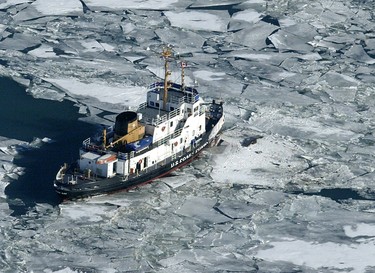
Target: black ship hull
<point x="88" y="187"/>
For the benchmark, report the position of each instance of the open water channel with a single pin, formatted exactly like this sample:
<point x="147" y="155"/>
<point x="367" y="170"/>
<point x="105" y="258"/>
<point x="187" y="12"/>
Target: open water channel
<point x="28" y="119"/>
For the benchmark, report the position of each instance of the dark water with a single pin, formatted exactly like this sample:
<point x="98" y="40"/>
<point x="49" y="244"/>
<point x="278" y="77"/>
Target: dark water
<point x="337" y="194"/>
<point x="25" y="118"/>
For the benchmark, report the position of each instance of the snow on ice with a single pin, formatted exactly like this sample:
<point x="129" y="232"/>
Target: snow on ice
<point x="297" y="81"/>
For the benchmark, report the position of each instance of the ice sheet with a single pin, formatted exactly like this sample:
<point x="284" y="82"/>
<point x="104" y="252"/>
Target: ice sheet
<point x="130" y="4"/>
<point x="299" y="105"/>
<point x="331" y="256"/>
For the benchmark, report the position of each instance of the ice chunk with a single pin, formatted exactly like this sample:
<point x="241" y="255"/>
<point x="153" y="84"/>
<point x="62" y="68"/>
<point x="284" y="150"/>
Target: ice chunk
<point x="339" y="79"/>
<point x="287" y="22"/>
<point x="199" y="260"/>
<point x="43" y="51"/>
<point x="202" y="4"/>
<point x="244" y="19"/>
<point x="45" y="92"/>
<point x="20" y="42"/>
<point x="273" y="58"/>
<point x="253" y="37"/>
<point x="341" y="38"/>
<point x="183" y="41"/>
<point x="334" y="47"/>
<point x="202" y="209"/>
<point x="357" y="53"/>
<point x="91" y="45"/>
<point x="237" y="209"/>
<point x="263" y="70"/>
<point x="8" y="167"/>
<point x="209" y="75"/>
<point x="289" y="40"/>
<point x="178" y="180"/>
<point x="40" y="8"/>
<point x="342" y="94"/>
<point x="370" y="44"/>
<point x="197" y="20"/>
<point x="251" y="16"/>
<point x="217" y="84"/>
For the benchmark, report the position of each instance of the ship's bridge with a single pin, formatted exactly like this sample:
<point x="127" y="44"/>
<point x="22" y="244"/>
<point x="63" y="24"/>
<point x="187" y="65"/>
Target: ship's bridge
<point x="177" y="94"/>
<point x="152" y="110"/>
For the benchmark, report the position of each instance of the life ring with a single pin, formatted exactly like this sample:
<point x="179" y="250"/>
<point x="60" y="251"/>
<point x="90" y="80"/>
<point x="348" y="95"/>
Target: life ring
<point x="176" y="143"/>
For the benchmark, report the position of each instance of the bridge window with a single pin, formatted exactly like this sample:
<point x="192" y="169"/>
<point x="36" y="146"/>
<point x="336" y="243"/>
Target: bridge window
<point x="157" y="105"/>
<point x="152" y="103"/>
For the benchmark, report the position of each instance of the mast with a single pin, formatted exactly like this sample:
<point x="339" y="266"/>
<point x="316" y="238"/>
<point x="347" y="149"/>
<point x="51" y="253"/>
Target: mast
<point x="104" y="138"/>
<point x="183" y="65"/>
<point x="167" y="53"/>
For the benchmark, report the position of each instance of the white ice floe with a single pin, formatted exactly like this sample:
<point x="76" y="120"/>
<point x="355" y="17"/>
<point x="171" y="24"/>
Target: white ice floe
<point x="130" y="96"/>
<point x="354" y="258"/>
<point x="361" y="230"/>
<point x="58" y="8"/>
<point x="8" y="3"/>
<point x="261" y="163"/>
<point x="86" y="212"/>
